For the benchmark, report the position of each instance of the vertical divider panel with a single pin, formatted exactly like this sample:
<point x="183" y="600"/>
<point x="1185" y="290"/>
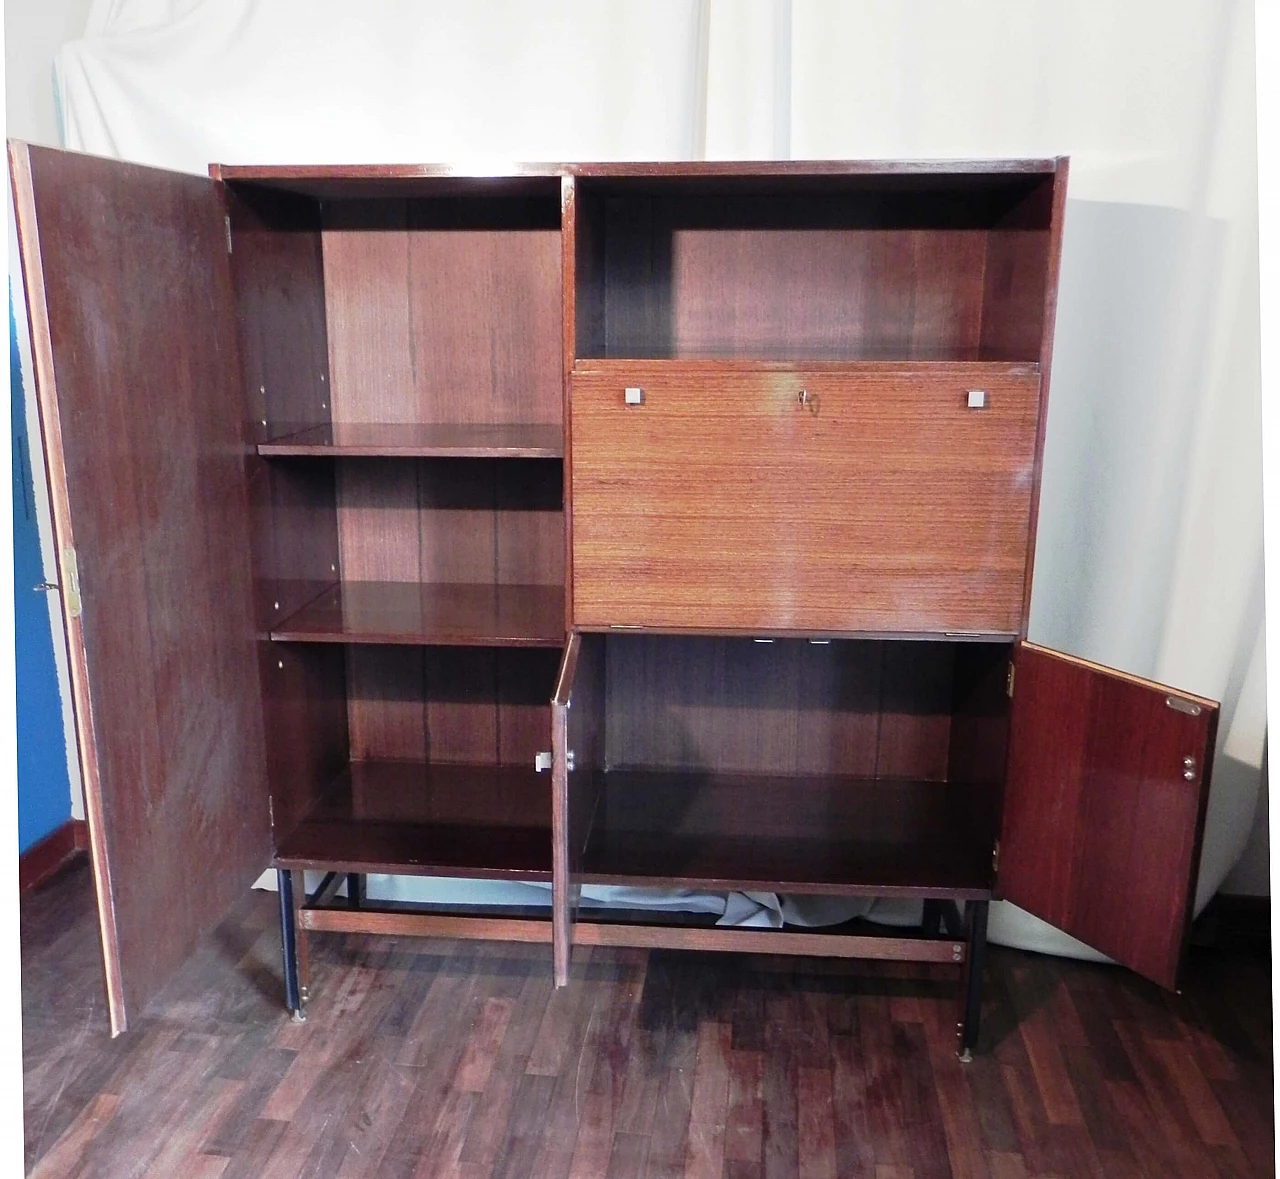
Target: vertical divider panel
<point x="569" y="278"/>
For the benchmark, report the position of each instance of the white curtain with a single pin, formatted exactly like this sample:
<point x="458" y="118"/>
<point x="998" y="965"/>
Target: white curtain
<point x="1149" y="555"/>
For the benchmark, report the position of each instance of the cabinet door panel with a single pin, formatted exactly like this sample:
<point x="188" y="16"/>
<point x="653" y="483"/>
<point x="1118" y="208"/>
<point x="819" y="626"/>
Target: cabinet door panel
<point x="577" y="762"/>
<point x="133" y="337"/>
<point x="750" y="498"/>
<point x="1108" y="776"/>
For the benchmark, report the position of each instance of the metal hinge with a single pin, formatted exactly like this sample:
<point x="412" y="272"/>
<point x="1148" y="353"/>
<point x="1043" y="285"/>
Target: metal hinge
<point x="271" y="813"/>
<point x="995" y="858"/>
<point x="1008" y="683"/>
<point x="70" y="583"/>
<point x="227" y="222"/>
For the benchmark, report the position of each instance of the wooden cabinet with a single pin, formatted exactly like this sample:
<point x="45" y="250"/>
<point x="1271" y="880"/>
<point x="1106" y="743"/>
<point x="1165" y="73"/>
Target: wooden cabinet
<point x="598" y="524"/>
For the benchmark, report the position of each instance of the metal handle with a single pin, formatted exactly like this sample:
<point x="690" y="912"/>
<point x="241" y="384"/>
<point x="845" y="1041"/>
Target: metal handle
<point x="45" y="586"/>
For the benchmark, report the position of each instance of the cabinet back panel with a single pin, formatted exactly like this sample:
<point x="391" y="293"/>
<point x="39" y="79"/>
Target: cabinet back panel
<point x="862" y="709"/>
<point x="444" y="311"/>
<point x="452" y="520"/>
<point x="876" y="273"/>
<point x="446" y="704"/>
<point x="824" y="294"/>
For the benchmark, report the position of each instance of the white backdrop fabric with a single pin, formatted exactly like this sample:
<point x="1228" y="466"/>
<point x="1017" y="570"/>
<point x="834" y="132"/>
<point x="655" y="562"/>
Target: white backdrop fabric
<point x="1149" y="555"/>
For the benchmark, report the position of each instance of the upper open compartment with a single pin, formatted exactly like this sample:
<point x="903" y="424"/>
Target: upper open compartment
<point x="877" y="262"/>
<point x="425" y="311"/>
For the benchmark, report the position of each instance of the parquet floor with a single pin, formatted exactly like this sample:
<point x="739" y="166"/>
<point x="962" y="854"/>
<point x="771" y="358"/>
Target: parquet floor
<point x="425" y="1059"/>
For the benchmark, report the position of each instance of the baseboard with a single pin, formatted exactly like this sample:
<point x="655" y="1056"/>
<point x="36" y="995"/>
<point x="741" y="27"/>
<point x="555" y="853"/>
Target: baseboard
<point x="44" y="859"/>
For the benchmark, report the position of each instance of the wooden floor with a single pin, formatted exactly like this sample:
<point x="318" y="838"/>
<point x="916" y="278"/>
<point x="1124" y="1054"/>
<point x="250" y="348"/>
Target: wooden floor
<point x="423" y="1059"/>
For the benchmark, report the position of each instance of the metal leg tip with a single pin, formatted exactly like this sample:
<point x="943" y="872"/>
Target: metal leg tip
<point x="965" y="1057"/>
<point x="299" y="1017"/>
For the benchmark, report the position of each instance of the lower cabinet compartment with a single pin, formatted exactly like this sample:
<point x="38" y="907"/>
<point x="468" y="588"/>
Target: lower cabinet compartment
<point x="803" y="834"/>
<point x="430" y="763"/>
<point x="869" y="768"/>
<point x="427" y="819"/>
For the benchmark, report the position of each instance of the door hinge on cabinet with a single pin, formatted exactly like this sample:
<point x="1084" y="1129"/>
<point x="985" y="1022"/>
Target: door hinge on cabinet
<point x="995" y="858"/>
<point x="227" y="222"/>
<point x="1008" y="683"/>
<point x="71" y="583"/>
<point x="271" y="813"/>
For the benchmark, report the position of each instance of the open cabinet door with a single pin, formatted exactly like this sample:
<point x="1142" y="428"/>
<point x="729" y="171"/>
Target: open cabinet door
<point x="1104" y="807"/>
<point x="137" y="372"/>
<point x="577" y="753"/>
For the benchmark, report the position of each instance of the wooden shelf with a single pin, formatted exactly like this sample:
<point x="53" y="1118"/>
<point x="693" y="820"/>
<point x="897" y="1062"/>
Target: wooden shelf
<point x="395" y="440"/>
<point x="424" y="819"/>
<point x="804" y="834"/>
<point x="437" y="614"/>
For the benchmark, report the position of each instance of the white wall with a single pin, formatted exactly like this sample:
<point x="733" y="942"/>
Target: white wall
<point x="34" y="30"/>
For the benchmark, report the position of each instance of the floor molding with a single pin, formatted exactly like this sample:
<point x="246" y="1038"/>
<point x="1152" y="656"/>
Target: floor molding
<point x="44" y="859"/>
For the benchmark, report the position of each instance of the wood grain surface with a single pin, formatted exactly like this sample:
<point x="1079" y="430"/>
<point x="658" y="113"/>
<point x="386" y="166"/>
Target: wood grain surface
<point x="421" y="1057"/>
<point x="444" y="312"/>
<point x="439" y="613"/>
<point x="409" y="440"/>
<point x="428" y="819"/>
<point x="792" y="706"/>
<point x="882" y="503"/>
<point x="1104" y="807"/>
<point x="805" y="834"/>
<point x="870" y="265"/>
<point x="143" y="435"/>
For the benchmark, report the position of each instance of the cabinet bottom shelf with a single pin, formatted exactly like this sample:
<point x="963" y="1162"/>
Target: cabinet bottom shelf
<point x="424" y="819"/>
<point x="819" y="835"/>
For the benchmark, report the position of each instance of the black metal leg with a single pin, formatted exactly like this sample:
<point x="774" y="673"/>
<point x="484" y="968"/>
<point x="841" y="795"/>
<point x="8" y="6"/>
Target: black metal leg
<point x="931" y="919"/>
<point x="975" y="968"/>
<point x="355" y="890"/>
<point x="289" y="944"/>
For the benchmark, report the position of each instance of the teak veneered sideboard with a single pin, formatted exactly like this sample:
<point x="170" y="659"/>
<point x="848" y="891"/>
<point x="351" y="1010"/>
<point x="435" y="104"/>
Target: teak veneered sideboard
<point x="643" y="524"/>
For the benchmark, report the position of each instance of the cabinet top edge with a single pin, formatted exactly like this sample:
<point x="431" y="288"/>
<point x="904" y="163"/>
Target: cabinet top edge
<point x="290" y="175"/>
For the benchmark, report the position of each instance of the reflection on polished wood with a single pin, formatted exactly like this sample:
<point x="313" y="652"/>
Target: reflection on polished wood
<point x="447" y="614"/>
<point x="1107" y="790"/>
<point x="417" y="440"/>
